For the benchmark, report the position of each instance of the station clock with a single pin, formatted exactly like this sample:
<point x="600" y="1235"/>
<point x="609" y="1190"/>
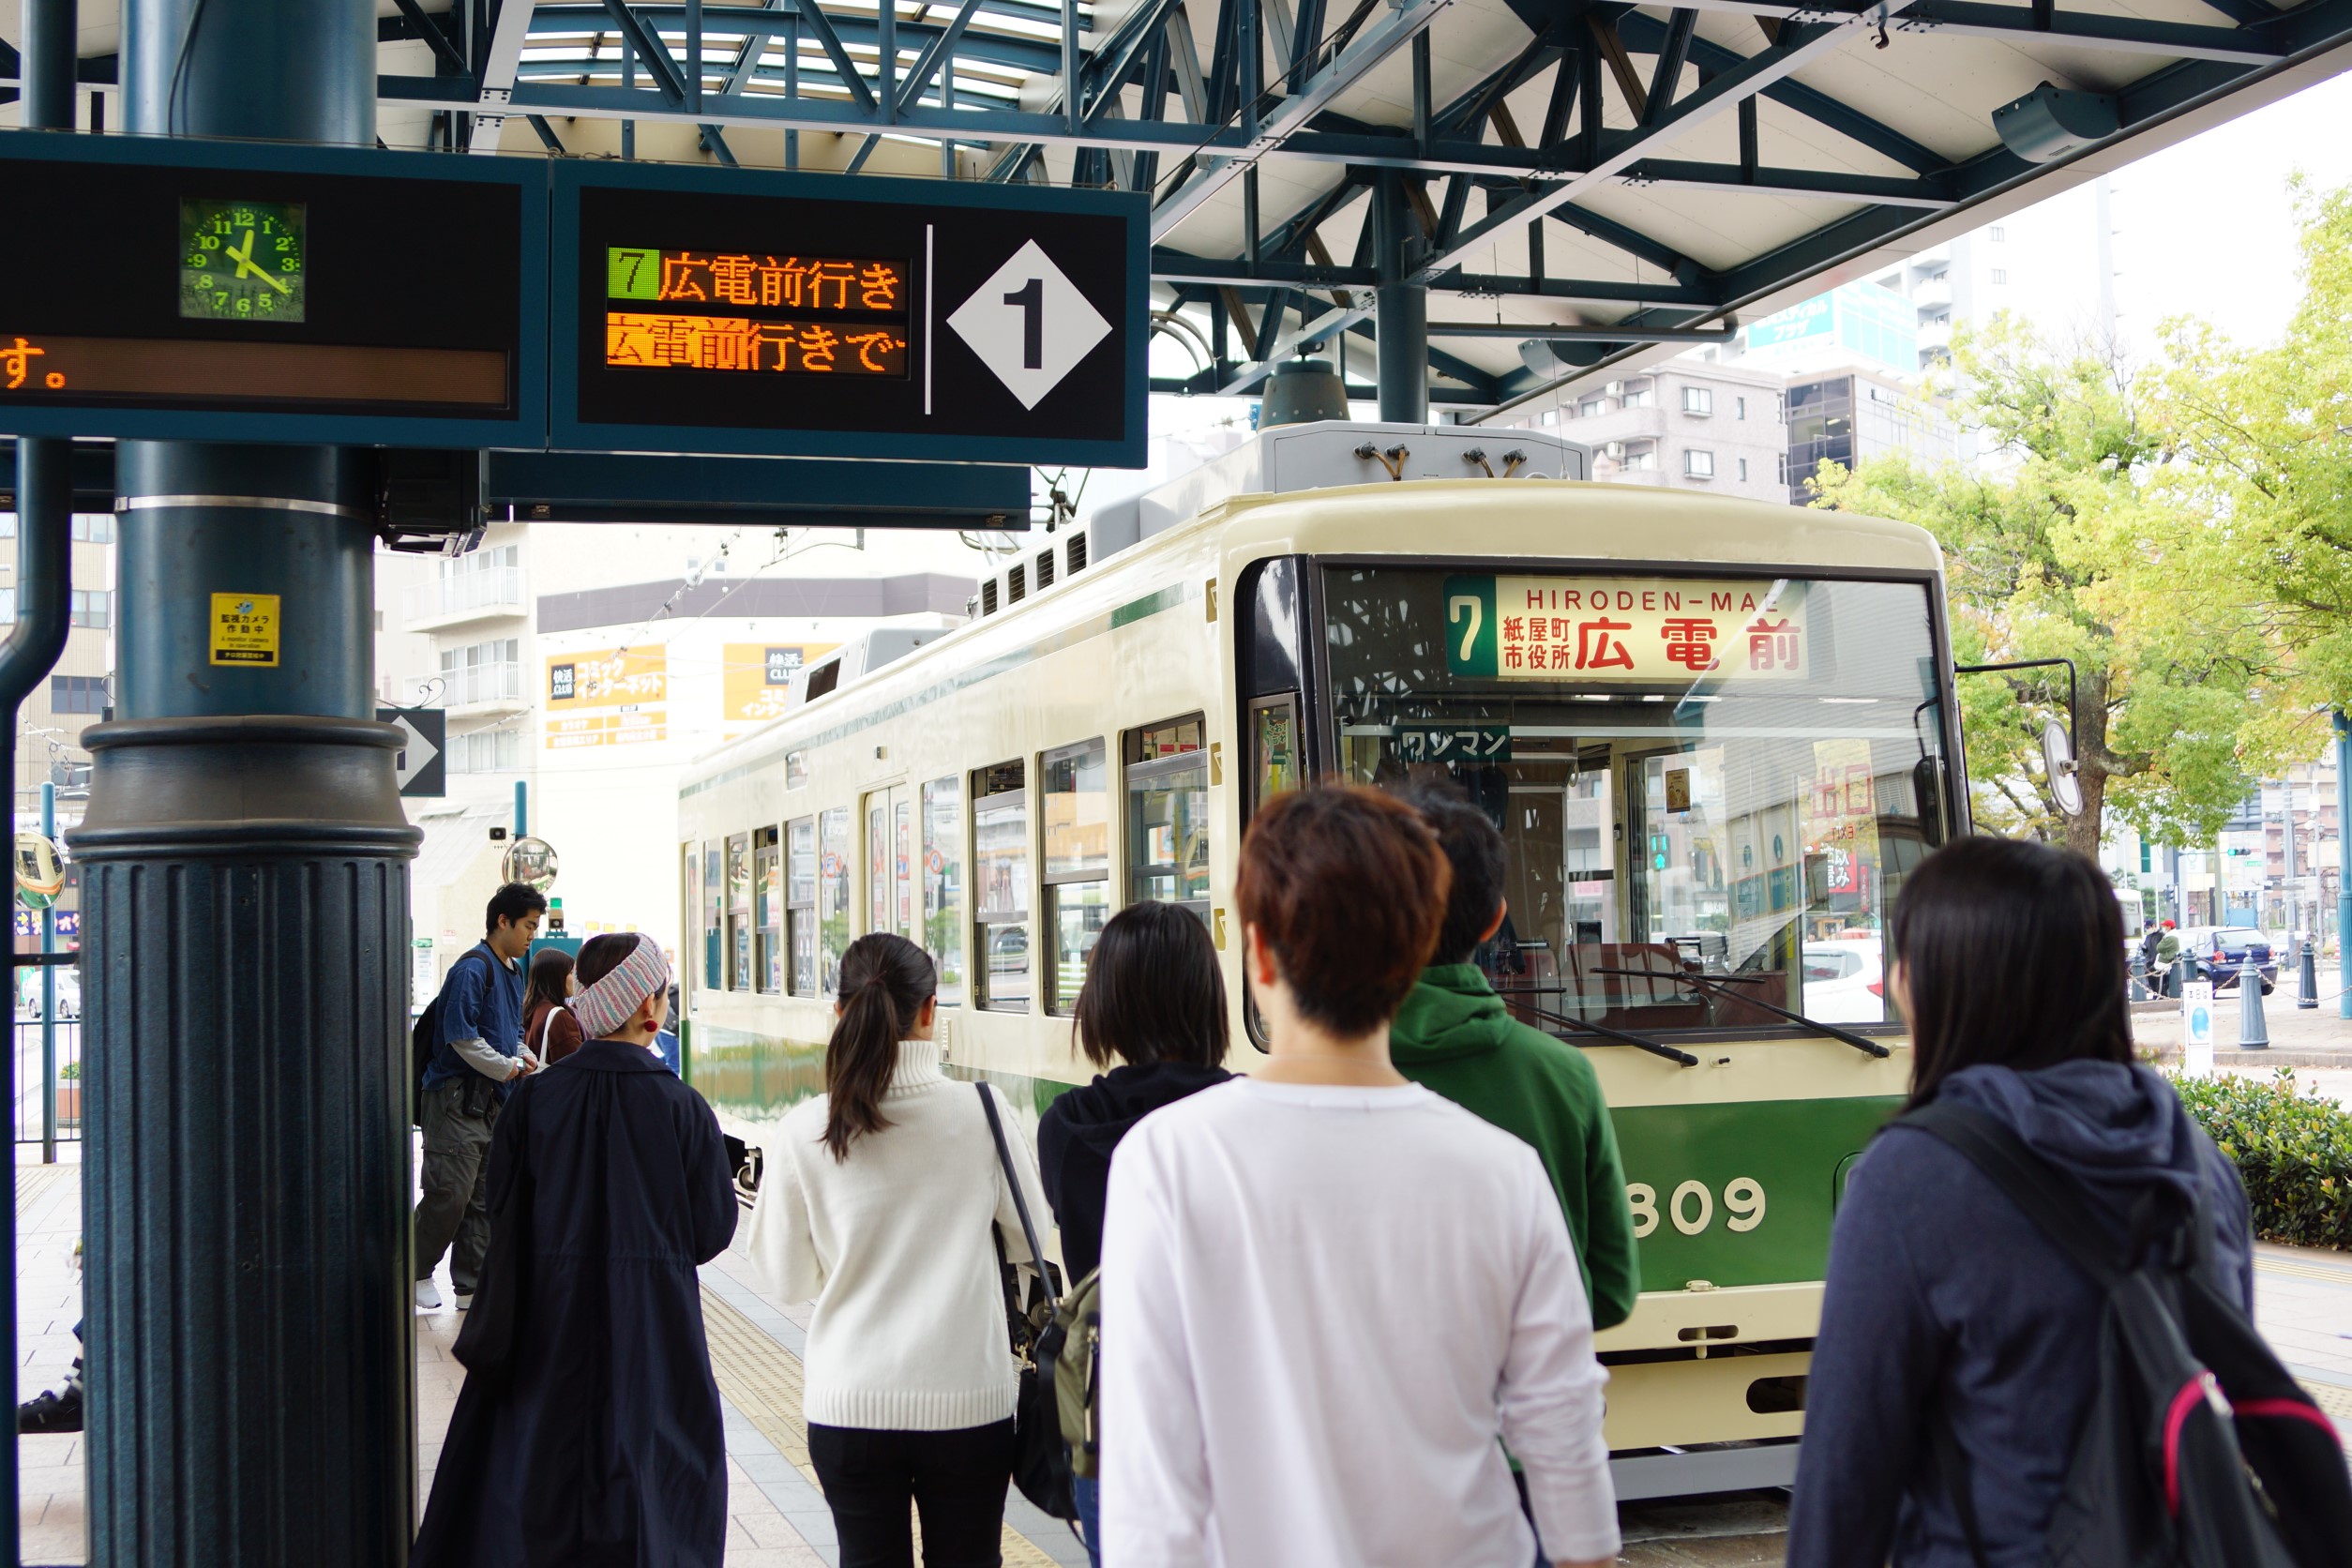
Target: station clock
<point x="242" y="260"/>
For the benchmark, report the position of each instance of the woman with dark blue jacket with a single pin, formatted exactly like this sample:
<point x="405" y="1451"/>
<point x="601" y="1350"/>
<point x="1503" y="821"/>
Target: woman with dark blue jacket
<point x="1944" y="1299"/>
<point x="1153" y="1003"/>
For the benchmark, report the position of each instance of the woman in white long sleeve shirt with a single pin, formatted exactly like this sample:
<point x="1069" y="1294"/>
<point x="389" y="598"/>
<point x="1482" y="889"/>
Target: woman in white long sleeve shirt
<point x="878" y="1202"/>
<point x="1330" y="1297"/>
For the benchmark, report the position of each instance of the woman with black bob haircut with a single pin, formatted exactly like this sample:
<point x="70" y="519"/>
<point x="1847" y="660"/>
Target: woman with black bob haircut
<point x="1945" y="1302"/>
<point x="1153" y="1003"/>
<point x="1152" y="1011"/>
<point x="877" y="1203"/>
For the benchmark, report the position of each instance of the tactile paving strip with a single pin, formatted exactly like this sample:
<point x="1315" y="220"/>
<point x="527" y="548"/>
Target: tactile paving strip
<point x="2327" y="1273"/>
<point x="2336" y="1401"/>
<point x="33" y="1182"/>
<point x="762" y="1380"/>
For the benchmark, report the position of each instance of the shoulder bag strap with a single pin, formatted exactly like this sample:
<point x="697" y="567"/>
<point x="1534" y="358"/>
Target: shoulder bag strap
<point x="1020" y="1203"/>
<point x="2039" y="1191"/>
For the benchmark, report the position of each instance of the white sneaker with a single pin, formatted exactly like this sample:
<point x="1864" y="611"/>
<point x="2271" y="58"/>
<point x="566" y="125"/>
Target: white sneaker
<point x="465" y="1299"/>
<point x="428" y="1296"/>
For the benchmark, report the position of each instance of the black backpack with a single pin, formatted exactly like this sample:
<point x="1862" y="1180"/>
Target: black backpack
<point x="424" y="1038"/>
<point x="2199" y="1450"/>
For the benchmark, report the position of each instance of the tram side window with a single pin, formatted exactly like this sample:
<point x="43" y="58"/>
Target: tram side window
<point x="768" y="911"/>
<point x="944" y="884"/>
<point x="999" y="856"/>
<point x="878" y="862"/>
<point x="714" y="925"/>
<point x="739" y="913"/>
<point x="689" y="972"/>
<point x="832" y="896"/>
<point x="1168" y="815"/>
<point x="800" y="904"/>
<point x="1074" y="783"/>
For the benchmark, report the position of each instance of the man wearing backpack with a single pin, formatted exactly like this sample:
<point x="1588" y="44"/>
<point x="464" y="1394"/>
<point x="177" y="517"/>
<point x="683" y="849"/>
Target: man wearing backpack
<point x="476" y="1022"/>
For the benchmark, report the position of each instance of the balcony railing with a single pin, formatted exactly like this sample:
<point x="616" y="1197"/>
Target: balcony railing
<point x="497" y="588"/>
<point x="470" y="685"/>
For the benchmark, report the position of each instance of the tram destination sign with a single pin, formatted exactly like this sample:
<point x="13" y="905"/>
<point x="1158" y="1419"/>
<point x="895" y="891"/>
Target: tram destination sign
<point x="1612" y="628"/>
<point x="778" y="314"/>
<point x="191" y="290"/>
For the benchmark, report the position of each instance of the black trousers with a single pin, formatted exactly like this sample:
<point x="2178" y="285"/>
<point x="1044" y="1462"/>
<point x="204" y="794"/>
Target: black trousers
<point x="956" y="1479"/>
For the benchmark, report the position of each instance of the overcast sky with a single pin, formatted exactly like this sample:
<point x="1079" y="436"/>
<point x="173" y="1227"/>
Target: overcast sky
<point x="2208" y="228"/>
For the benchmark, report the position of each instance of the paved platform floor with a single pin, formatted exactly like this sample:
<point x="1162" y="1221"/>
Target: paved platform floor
<point x="777" y="1516"/>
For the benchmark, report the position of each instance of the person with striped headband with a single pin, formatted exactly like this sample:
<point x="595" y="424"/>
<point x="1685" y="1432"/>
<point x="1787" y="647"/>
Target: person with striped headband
<point x="588" y="1428"/>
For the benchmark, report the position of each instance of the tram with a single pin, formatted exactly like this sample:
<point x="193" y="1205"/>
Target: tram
<point x="1717" y="734"/>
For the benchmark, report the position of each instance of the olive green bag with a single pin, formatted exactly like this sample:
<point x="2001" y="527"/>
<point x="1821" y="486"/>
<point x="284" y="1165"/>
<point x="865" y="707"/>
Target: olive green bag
<point x="1075" y="1342"/>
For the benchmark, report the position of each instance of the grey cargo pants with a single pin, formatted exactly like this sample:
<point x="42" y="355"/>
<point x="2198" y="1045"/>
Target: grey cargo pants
<point x="457" y="1187"/>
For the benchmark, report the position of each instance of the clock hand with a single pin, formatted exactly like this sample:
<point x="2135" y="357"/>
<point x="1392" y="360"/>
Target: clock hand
<point x="245" y="264"/>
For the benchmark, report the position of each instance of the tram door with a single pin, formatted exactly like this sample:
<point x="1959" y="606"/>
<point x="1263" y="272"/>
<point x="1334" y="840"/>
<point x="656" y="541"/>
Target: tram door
<point x="890" y="896"/>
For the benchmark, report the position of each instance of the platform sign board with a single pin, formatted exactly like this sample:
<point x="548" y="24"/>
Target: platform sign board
<point x="727" y="310"/>
<point x="422" y="765"/>
<point x="182" y="289"/>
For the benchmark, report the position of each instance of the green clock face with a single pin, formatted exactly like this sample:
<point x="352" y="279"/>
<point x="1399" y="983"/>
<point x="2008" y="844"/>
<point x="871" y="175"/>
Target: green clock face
<point x="242" y="260"/>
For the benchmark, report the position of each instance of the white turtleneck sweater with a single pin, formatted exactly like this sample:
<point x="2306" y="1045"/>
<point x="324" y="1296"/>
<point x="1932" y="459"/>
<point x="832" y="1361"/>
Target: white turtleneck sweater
<point x="893" y="1243"/>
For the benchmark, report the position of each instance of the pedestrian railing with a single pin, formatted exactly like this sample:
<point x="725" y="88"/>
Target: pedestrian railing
<point x="57" y="1043"/>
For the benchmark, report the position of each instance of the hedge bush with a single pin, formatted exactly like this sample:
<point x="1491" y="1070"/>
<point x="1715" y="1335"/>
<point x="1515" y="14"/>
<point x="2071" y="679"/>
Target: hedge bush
<point x="2293" y="1149"/>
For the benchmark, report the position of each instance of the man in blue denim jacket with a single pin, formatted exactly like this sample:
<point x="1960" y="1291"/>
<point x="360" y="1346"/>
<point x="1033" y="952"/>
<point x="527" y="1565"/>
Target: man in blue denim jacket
<point x="474" y="1068"/>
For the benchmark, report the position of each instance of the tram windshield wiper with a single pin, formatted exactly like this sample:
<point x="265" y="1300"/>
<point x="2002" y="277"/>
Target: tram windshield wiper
<point x="1654" y="1048"/>
<point x="1718" y="987"/>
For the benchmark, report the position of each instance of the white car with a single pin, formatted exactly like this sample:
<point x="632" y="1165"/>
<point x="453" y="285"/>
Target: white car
<point x="1845" y="981"/>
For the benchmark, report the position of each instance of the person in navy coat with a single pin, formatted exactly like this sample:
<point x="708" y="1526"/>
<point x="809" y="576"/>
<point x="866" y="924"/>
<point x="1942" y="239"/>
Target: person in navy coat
<point x="587" y="1432"/>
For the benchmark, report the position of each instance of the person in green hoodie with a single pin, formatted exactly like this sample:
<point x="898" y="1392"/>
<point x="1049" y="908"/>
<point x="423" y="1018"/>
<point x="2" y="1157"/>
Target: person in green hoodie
<point x="1454" y="1037"/>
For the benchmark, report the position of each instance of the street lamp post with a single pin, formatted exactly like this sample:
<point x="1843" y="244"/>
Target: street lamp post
<point x="2344" y="865"/>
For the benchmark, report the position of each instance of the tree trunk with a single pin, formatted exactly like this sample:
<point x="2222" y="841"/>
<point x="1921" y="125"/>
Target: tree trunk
<point x="2091" y="766"/>
<point x="2082" y="830"/>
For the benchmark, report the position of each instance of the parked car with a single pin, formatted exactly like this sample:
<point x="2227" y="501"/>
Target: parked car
<point x="1846" y="981"/>
<point x="2220" y="953"/>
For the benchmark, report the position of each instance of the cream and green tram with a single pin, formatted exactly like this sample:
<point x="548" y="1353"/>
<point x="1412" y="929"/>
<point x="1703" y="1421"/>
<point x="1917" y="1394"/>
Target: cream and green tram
<point x="1715" y="733"/>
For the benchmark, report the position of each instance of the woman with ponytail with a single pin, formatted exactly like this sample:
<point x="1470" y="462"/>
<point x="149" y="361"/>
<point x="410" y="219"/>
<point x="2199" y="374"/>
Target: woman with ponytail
<point x="877" y="1203"/>
<point x="588" y="1428"/>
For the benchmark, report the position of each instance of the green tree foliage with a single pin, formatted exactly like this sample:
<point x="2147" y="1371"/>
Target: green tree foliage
<point x="2044" y="558"/>
<point x="2264" y="469"/>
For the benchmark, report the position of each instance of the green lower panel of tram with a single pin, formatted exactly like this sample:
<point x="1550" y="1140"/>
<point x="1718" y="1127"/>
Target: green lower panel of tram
<point x="1739" y="1194"/>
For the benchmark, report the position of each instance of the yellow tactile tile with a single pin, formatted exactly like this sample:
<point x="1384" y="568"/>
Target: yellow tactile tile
<point x="2336" y="1401"/>
<point x="762" y="1380"/>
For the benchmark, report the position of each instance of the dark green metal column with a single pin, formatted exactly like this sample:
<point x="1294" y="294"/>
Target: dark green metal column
<point x="1400" y="310"/>
<point x="244" y="884"/>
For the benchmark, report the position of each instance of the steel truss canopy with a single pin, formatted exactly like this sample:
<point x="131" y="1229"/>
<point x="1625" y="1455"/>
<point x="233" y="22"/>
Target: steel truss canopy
<point x="1574" y="167"/>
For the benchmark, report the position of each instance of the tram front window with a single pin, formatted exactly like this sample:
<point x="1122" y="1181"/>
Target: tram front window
<point x="1708" y="785"/>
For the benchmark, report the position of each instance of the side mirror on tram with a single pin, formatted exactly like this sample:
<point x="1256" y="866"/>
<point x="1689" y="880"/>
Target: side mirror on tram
<point x="2059" y="747"/>
<point x="2058" y="766"/>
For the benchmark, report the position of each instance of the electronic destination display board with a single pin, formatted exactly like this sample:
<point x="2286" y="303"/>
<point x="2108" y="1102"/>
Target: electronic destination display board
<point x="738" y="311"/>
<point x="178" y="289"/>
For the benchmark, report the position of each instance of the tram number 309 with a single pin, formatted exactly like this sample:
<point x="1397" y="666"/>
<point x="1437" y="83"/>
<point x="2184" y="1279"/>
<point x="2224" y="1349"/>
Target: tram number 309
<point x="1692" y="1206"/>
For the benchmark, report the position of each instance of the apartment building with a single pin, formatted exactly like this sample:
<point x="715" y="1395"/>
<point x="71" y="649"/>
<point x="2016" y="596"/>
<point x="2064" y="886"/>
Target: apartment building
<point x="79" y="690"/>
<point x="588" y="663"/>
<point x="1851" y="414"/>
<point x="1688" y="422"/>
